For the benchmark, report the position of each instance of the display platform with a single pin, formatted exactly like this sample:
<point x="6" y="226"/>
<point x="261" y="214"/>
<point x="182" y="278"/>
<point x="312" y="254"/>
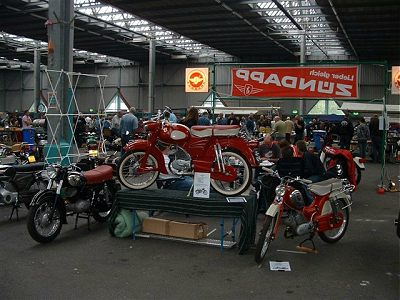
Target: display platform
<point x="178" y="202"/>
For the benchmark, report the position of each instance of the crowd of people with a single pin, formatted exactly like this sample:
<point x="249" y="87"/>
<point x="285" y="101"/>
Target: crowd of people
<point x="292" y="129"/>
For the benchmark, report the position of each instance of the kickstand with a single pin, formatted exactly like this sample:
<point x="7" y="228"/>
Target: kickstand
<point x="308" y="249"/>
<point x="14" y="208"/>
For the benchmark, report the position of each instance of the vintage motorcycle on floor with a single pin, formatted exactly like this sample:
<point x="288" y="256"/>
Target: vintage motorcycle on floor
<point x="327" y="212"/>
<point x="71" y="191"/>
<point x="217" y="150"/>
<point x="342" y="162"/>
<point x="19" y="183"/>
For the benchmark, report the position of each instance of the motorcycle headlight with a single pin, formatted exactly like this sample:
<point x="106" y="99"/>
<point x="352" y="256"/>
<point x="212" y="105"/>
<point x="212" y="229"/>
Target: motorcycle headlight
<point x="75" y="179"/>
<point x="297" y="198"/>
<point x="51" y="172"/>
<point x="280" y="190"/>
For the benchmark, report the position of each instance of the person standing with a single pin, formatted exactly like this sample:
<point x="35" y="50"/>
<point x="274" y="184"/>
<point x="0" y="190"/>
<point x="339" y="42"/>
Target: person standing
<point x="250" y="124"/>
<point x="346" y="131"/>
<point x="279" y="129"/>
<point x="232" y="120"/>
<point x="115" y="123"/>
<point x="192" y="117"/>
<point x="299" y="128"/>
<point x="128" y="125"/>
<point x="221" y="120"/>
<point x="26" y="120"/>
<point x="289" y="128"/>
<point x="172" y="116"/>
<point x="363" y="135"/>
<point x="376" y="137"/>
<point x="204" y="120"/>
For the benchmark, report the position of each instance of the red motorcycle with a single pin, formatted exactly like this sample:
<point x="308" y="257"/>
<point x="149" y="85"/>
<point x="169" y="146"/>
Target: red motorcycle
<point x="343" y="163"/>
<point x="327" y="214"/>
<point x="217" y="150"/>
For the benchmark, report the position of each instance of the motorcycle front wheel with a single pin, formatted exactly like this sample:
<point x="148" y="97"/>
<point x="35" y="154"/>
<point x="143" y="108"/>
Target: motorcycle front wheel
<point x="40" y="227"/>
<point x="243" y="180"/>
<point x="103" y="209"/>
<point x="334" y="235"/>
<point x="265" y="239"/>
<point x="129" y="175"/>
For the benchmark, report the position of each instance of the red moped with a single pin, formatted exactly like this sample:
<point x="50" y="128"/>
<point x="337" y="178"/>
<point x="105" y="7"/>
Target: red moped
<point x="343" y="162"/>
<point x="217" y="150"/>
<point x="327" y="215"/>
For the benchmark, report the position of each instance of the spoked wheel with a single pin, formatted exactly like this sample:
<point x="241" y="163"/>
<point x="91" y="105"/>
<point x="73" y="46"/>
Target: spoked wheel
<point x="342" y="212"/>
<point x="102" y="209"/>
<point x="243" y="179"/>
<point x="129" y="173"/>
<point x="41" y="226"/>
<point x="265" y="239"/>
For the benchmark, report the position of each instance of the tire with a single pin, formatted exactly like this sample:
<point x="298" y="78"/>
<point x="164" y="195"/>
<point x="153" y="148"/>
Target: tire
<point x="334" y="235"/>
<point x="132" y="160"/>
<point x="243" y="181"/>
<point x="265" y="239"/>
<point x="103" y="215"/>
<point x="358" y="178"/>
<point x="38" y="230"/>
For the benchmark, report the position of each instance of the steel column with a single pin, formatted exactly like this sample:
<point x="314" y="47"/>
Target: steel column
<point x="302" y="61"/>
<point x="36" y="79"/>
<point x="60" y="32"/>
<point x="152" y="69"/>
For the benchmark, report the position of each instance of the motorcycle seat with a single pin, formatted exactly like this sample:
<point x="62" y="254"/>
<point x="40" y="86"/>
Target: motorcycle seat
<point x="325" y="187"/>
<point x="201" y="131"/>
<point x="226" y="130"/>
<point x="216" y="130"/>
<point x="98" y="175"/>
<point x="29" y="167"/>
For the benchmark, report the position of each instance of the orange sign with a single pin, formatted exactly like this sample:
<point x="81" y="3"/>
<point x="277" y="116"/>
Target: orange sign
<point x="196" y="80"/>
<point x="395" y="80"/>
<point x="296" y="82"/>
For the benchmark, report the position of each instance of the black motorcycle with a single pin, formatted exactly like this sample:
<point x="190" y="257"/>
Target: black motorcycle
<point x="71" y="191"/>
<point x="19" y="183"/>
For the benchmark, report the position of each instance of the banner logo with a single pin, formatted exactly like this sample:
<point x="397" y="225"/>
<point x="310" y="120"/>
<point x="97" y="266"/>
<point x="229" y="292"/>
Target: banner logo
<point x="396" y="80"/>
<point x="296" y="82"/>
<point x="196" y="80"/>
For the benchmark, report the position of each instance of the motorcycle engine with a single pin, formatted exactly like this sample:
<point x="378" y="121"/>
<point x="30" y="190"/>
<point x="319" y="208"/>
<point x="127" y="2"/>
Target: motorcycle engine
<point x="8" y="194"/>
<point x="79" y="206"/>
<point x="297" y="224"/>
<point x="180" y="161"/>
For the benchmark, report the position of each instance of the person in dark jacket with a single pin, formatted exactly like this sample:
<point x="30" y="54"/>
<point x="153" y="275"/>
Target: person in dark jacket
<point x="376" y="137"/>
<point x="192" y="117"/>
<point x="346" y="131"/>
<point x="313" y="168"/>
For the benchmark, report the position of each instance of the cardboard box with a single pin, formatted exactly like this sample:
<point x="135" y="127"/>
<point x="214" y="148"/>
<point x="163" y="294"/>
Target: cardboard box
<point x="185" y="230"/>
<point x="193" y="231"/>
<point x="154" y="225"/>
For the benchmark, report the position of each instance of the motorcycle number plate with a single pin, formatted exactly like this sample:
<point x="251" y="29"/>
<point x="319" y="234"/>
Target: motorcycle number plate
<point x="31" y="159"/>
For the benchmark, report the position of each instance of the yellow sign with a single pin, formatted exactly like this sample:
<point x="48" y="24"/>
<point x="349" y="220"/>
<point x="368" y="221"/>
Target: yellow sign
<point x="196" y="80"/>
<point x="395" y="80"/>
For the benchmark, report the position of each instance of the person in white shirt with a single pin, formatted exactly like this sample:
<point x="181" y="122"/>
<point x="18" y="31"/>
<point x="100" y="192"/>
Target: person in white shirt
<point x="26" y="120"/>
<point x="115" y="122"/>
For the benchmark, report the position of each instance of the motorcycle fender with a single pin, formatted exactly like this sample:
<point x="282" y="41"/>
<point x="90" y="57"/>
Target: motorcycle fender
<point x="273" y="210"/>
<point x="239" y="145"/>
<point x="144" y="145"/>
<point x="358" y="163"/>
<point x="51" y="193"/>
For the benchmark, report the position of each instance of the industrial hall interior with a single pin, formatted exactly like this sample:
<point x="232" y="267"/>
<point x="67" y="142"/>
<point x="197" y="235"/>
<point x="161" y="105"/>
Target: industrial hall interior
<point x="209" y="149"/>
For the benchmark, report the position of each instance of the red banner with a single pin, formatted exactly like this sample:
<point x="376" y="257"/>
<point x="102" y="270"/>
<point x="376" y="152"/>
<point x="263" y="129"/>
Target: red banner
<point x="296" y="82"/>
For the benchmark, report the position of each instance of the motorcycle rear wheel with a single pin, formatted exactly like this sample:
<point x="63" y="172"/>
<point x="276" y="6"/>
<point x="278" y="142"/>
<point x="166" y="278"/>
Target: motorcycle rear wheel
<point x="40" y="228"/>
<point x="265" y="239"/>
<point x="334" y="235"/>
<point x="243" y="180"/>
<point x="127" y="167"/>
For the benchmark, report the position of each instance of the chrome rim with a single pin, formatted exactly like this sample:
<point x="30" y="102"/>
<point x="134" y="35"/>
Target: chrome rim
<point x="42" y="223"/>
<point x="268" y="238"/>
<point x="129" y="170"/>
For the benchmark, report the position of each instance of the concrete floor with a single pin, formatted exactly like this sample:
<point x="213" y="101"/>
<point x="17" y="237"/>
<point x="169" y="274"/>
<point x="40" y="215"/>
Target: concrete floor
<point x="93" y="265"/>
